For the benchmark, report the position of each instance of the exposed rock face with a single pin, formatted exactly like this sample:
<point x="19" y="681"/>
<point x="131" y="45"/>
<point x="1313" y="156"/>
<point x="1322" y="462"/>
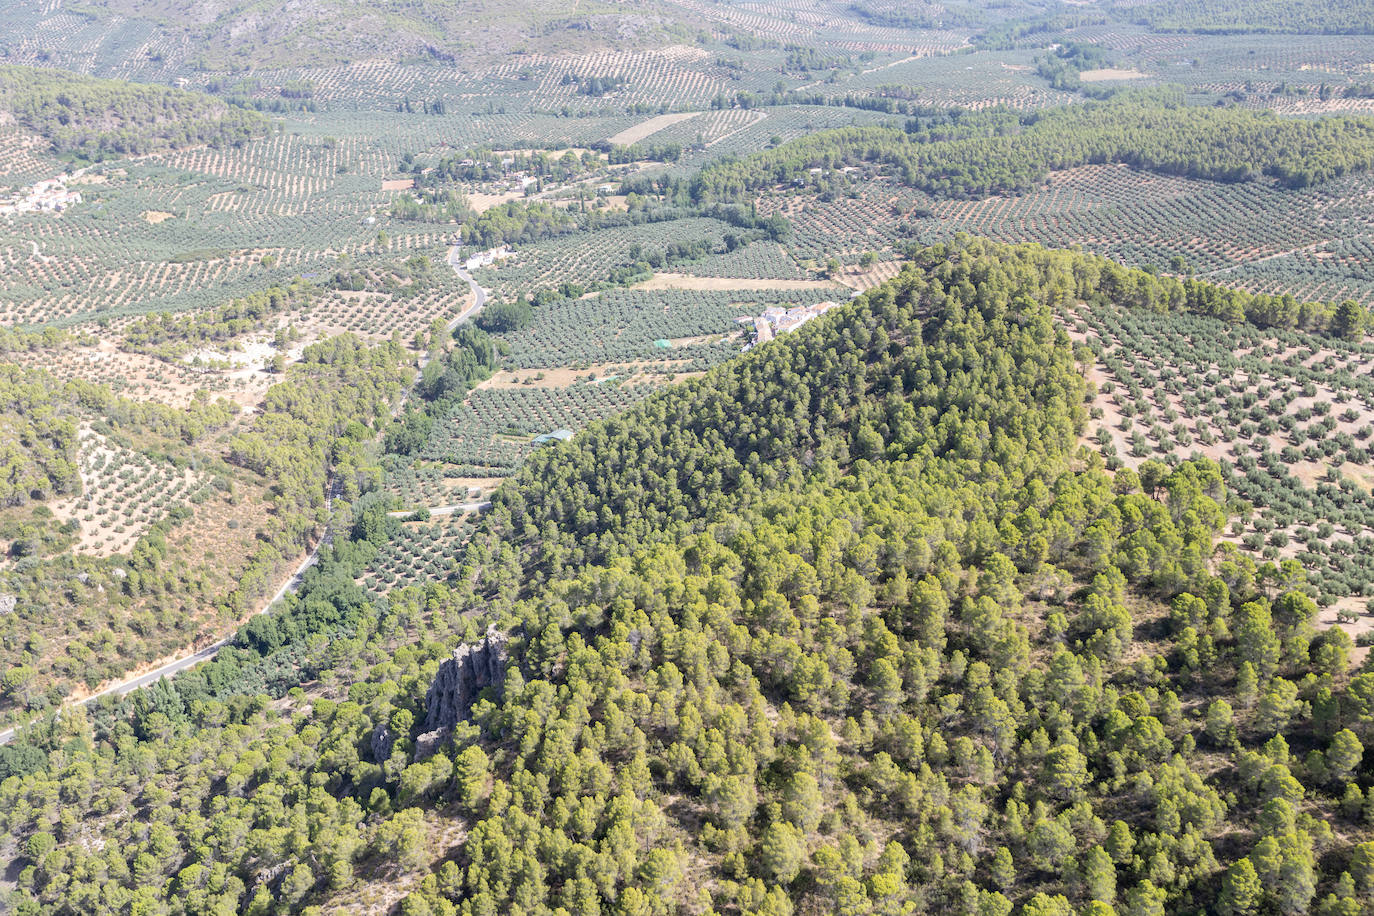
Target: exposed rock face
<point x="458" y="680"/>
<point x="382" y="742"/>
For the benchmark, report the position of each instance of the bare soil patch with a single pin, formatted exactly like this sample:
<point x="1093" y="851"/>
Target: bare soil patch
<point x="632" y="135"/>
<point x="625" y="373"/>
<point x="876" y="275"/>
<point x="485" y="484"/>
<point x="714" y="284"/>
<point x="1110" y="73"/>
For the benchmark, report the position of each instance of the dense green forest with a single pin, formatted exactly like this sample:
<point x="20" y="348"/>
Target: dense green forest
<point x="37" y="438"/>
<point x="848" y="625"/>
<point x="95" y="118"/>
<point x="1003" y="152"/>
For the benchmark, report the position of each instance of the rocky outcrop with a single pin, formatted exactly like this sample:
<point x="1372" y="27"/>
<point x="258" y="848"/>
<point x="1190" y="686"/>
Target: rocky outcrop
<point x="472" y="669"/>
<point x="382" y="743"/>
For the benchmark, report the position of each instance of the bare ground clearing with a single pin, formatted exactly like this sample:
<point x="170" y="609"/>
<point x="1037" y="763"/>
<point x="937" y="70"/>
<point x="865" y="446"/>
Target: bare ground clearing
<point x="1110" y="73"/>
<point x="717" y="284"/>
<point x="632" y="135"/>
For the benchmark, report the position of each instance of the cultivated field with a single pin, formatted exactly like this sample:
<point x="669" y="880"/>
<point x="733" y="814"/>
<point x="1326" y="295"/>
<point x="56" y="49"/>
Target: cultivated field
<point x="1289" y="416"/>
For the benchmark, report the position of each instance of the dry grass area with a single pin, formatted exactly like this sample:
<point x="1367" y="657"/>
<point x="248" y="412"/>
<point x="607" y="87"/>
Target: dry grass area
<point x="481" y="203"/>
<point x="219" y="534"/>
<point x="483" y="485"/>
<point x="876" y="275"/>
<point x="144" y="378"/>
<point x="1104" y="74"/>
<point x="157" y="216"/>
<point x="700" y="339"/>
<point x="632" y="135"/>
<point x="639" y="373"/>
<point x="725" y="284"/>
<point x="1358" y="621"/>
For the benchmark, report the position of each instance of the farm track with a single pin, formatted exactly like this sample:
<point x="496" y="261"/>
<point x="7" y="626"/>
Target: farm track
<point x="1268" y="257"/>
<point x="456" y="508"/>
<point x="191" y="659"/>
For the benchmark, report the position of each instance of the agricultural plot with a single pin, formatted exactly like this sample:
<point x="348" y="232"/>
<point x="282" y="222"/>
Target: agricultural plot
<point x="846" y="227"/>
<point x="377" y="315"/>
<point x="828" y="22"/>
<point x="979" y="80"/>
<point x="1252" y="235"/>
<point x="691" y="129"/>
<point x="415" y="482"/>
<point x="23" y="158"/>
<point x="1289" y="417"/>
<point x="490" y="435"/>
<point x="194" y="228"/>
<point x="622" y="325"/>
<point x="421" y="484"/>
<point x="743" y="132"/>
<point x="763" y="260"/>
<point x="1251" y="64"/>
<point x="587" y="257"/>
<point x="123" y="494"/>
<point x="498" y="424"/>
<point x="421" y="551"/>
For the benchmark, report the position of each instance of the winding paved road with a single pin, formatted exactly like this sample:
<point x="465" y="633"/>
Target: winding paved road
<point x="208" y="652"/>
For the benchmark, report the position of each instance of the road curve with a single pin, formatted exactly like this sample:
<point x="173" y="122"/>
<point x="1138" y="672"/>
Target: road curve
<point x="479" y="295"/>
<point x="176" y="666"/>
<point x="479" y="300"/>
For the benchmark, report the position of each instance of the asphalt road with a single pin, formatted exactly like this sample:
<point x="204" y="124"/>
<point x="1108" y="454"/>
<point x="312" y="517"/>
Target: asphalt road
<point x="189" y="661"/>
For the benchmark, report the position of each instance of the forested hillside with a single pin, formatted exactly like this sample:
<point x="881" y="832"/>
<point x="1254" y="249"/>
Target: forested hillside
<point x="848" y="625"/>
<point x="37" y="438"/>
<point x="99" y="117"/>
<point x="1002" y="152"/>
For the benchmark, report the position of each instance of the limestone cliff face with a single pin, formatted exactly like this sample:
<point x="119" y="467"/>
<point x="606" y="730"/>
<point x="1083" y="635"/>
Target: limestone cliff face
<point x="459" y="680"/>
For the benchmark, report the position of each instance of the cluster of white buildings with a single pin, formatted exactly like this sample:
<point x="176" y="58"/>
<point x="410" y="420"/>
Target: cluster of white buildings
<point x="488" y="257"/>
<point x="777" y="320"/>
<point x="52" y="196"/>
